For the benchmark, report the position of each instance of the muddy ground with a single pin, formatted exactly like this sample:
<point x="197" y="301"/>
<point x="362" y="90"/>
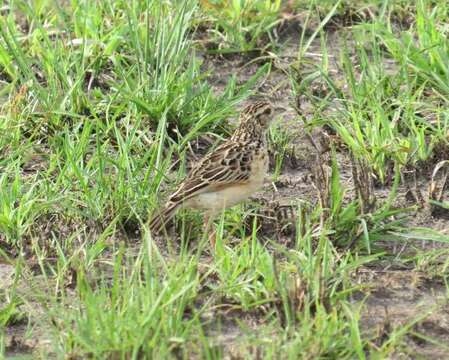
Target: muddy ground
<point x="391" y="293"/>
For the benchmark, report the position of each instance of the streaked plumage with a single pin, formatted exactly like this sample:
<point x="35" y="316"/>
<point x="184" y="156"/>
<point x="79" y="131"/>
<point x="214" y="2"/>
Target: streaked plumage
<point x="228" y="174"/>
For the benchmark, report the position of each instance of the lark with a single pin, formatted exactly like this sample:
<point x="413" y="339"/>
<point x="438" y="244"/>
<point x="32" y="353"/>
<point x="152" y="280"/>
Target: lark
<point x="227" y="175"/>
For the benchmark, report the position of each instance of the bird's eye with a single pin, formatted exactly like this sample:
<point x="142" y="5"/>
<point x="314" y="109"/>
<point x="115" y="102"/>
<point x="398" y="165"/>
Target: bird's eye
<point x="267" y="111"/>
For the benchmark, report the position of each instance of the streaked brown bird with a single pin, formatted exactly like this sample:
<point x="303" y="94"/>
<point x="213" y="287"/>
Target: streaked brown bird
<point x="227" y="175"/>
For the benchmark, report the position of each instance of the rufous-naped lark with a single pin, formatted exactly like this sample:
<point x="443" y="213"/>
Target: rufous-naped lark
<point x="227" y="175"/>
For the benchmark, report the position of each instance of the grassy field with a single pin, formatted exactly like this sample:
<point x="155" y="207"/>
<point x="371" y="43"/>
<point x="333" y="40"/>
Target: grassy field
<point x="104" y="106"/>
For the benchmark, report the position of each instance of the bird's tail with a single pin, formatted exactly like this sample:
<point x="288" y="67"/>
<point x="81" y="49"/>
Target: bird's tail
<point x="159" y="220"/>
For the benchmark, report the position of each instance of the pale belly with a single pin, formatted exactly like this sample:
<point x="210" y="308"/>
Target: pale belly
<point x="216" y="201"/>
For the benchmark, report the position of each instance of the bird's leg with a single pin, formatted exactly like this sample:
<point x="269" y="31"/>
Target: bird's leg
<point x="208" y="223"/>
<point x="212" y="238"/>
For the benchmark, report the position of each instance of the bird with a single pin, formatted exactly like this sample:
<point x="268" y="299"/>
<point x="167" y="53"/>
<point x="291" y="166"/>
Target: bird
<point x="227" y="175"/>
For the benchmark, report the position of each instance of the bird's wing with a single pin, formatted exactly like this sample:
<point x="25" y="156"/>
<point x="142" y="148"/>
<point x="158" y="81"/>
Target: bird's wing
<point x="227" y="164"/>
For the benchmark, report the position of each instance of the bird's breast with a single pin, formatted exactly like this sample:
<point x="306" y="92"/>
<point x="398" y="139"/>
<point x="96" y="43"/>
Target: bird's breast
<point x="231" y="194"/>
<point x="259" y="167"/>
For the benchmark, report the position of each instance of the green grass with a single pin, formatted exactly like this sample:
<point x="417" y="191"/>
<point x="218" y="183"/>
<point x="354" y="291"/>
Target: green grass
<point x="383" y="115"/>
<point x="427" y="58"/>
<point x="241" y="26"/>
<point x="101" y="104"/>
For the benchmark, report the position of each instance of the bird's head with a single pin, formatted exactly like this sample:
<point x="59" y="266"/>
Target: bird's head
<point x="260" y="113"/>
<point x="255" y="120"/>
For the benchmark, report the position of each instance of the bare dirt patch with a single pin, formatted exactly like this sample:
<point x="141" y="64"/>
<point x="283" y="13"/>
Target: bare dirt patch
<point x="389" y="298"/>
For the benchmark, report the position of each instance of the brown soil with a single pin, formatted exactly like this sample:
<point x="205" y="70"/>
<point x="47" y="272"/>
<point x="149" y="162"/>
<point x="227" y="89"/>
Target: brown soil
<point x="390" y="297"/>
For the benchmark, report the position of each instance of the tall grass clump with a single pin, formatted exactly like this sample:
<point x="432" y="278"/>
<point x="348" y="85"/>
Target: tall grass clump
<point x="424" y="48"/>
<point x="102" y="97"/>
<point x="380" y="115"/>
<point x="241" y="25"/>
